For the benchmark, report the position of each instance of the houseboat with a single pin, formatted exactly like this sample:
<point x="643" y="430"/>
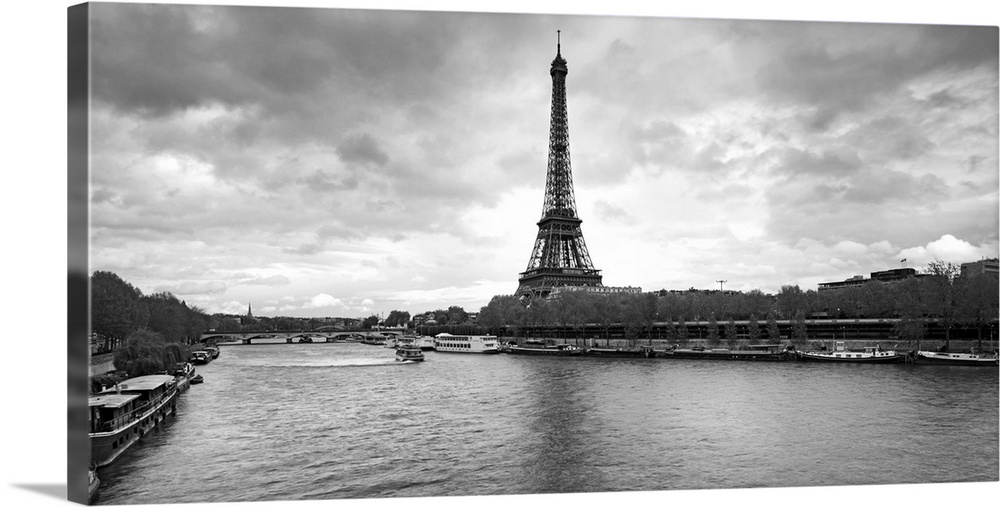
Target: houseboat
<point x="121" y="415"/>
<point x="957" y="358"/>
<point x="767" y="352"/>
<point x="409" y="353"/>
<point x="540" y="348"/>
<point x="647" y="352"/>
<point x="485" y="344"/>
<point x="840" y="354"/>
<point x="200" y="357"/>
<point x="183" y="372"/>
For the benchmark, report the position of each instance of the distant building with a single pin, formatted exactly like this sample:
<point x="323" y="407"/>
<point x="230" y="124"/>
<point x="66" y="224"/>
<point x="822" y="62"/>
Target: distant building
<point x="981" y="267"/>
<point x="887" y="276"/>
<point x="593" y="289"/>
<point x="854" y="281"/>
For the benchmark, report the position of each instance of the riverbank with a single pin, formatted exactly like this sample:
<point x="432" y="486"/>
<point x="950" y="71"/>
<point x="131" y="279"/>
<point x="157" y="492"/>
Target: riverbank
<point x="888" y="344"/>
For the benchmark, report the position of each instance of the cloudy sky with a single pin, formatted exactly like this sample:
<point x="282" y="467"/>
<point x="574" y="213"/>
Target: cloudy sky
<point x="346" y="162"/>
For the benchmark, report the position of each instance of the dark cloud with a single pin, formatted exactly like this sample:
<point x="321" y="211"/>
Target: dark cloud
<point x="362" y="148"/>
<point x="797" y="163"/>
<point x="837" y="67"/>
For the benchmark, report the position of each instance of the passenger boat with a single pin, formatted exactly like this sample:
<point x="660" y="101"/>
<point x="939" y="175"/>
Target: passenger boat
<point x="121" y="415"/>
<point x="374" y="340"/>
<point x="409" y="354"/>
<point x="841" y="355"/>
<point x="540" y="348"/>
<point x="767" y="352"/>
<point x="957" y="358"/>
<point x="424" y="342"/>
<point x="473" y="344"/>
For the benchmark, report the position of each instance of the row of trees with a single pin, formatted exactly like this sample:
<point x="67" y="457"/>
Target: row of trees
<point x="118" y="309"/>
<point x="939" y="293"/>
<point x="147" y="333"/>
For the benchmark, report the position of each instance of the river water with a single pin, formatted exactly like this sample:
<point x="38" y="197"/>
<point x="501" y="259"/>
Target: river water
<point x="345" y="420"/>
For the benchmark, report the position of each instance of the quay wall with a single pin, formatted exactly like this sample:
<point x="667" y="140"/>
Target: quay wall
<point x="889" y="344"/>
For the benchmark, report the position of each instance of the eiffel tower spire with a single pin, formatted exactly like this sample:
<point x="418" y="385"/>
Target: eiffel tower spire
<point x="560" y="255"/>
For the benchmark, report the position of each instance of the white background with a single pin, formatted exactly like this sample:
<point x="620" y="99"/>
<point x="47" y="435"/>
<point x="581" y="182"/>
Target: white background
<point x="34" y="246"/>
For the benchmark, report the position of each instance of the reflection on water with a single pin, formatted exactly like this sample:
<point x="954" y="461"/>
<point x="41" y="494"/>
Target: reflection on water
<point x="315" y="421"/>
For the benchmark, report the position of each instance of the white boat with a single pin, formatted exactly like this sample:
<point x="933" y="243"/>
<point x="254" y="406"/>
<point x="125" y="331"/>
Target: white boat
<point x="121" y="415"/>
<point x="840" y="354"/>
<point x="424" y="342"/>
<point x="957" y="358"/>
<point x="541" y="348"/>
<point x="391" y="343"/>
<point x="404" y="354"/>
<point x="473" y="344"/>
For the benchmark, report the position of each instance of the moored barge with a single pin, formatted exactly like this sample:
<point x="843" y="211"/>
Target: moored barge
<point x="767" y="352"/>
<point x="841" y="355"/>
<point x="123" y="414"/>
<point x="540" y="348"/>
<point x="646" y="352"/>
<point x="957" y="358"/>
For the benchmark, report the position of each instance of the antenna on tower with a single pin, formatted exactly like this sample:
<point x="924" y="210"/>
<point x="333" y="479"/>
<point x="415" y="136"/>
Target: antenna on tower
<point x="558" y="43"/>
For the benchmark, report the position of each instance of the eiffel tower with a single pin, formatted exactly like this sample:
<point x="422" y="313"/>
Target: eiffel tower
<point x="560" y="255"/>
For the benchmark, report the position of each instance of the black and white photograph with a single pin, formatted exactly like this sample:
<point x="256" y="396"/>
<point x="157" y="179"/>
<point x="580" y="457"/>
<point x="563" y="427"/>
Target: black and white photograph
<point x="445" y="254"/>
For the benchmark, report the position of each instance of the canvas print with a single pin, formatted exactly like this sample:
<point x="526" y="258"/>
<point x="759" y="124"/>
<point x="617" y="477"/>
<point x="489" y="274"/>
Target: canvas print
<point x="338" y="253"/>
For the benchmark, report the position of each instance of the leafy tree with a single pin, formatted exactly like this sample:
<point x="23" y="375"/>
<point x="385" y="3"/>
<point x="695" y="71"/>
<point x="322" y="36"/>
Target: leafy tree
<point x="753" y="329"/>
<point x="940" y="294"/>
<point x="672" y="334"/>
<point x="369" y="322"/>
<point x="115" y="307"/>
<point x="682" y="332"/>
<point x="713" y="331"/>
<point x="397" y="318"/>
<point x="773" y="332"/>
<point x="790" y="300"/>
<point x="977" y="303"/>
<point x="757" y="303"/>
<point x="910" y="309"/>
<point x="166" y="316"/>
<point x="146" y="352"/>
<point x="457" y="315"/>
<point x="731" y="339"/>
<point x="799" y="334"/>
<point x="876" y="300"/>
<point x="502" y="311"/>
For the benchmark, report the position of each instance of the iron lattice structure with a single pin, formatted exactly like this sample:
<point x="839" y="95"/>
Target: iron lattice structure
<point x="560" y="255"/>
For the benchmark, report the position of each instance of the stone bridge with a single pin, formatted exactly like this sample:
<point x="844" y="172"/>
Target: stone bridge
<point x="310" y="336"/>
